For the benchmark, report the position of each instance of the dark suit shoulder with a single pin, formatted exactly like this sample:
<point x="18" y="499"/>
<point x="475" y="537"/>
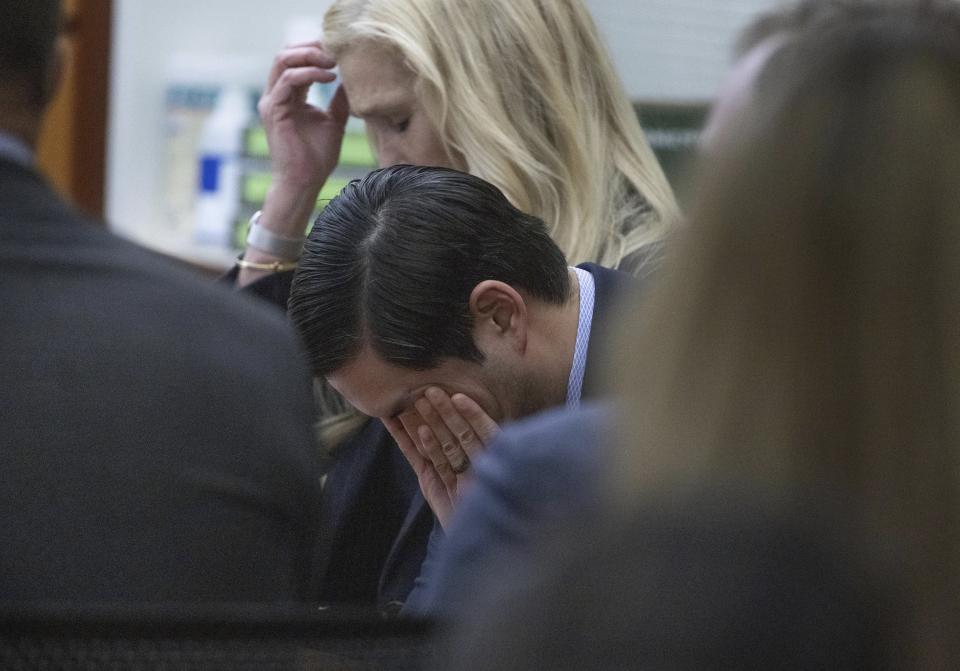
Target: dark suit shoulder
<point x="156" y="427"/>
<point x="609" y="281"/>
<point x="611" y="288"/>
<point x="51" y="251"/>
<point x="553" y="441"/>
<point x="538" y="473"/>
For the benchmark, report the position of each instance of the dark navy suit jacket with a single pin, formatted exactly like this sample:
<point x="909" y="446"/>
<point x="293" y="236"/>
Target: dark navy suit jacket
<point x="375" y="524"/>
<point x="151" y="449"/>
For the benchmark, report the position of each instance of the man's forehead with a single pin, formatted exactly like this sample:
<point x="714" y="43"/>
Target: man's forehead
<point x="380" y="389"/>
<point x="375" y="386"/>
<point x="369" y="385"/>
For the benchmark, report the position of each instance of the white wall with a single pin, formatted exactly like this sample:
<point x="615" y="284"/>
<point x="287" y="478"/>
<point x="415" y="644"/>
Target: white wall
<point x="664" y="50"/>
<point x="673" y="50"/>
<point x="147" y="35"/>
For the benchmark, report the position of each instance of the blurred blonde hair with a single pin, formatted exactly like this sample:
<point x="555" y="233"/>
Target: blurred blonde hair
<point x="525" y="91"/>
<point x="805" y="340"/>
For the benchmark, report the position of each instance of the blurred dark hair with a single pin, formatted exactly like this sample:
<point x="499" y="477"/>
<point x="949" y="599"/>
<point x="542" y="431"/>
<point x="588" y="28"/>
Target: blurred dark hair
<point x="808" y="15"/>
<point x="805" y="335"/>
<point x="28" y="32"/>
<point x="391" y="263"/>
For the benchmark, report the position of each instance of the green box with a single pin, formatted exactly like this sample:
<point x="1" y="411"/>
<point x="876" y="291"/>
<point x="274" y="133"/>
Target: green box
<point x="330" y="190"/>
<point x="355" y="151"/>
<point x="255" y="187"/>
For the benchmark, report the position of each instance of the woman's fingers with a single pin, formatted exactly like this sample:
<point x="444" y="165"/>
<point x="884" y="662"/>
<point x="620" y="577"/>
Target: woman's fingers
<point x="298" y="56"/>
<point x="339" y="109"/>
<point x="294" y="83"/>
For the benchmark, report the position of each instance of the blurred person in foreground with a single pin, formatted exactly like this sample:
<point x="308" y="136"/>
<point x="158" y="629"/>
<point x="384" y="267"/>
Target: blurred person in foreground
<point x="433" y="304"/>
<point x="151" y="450"/>
<point x="521" y="93"/>
<point x="785" y="494"/>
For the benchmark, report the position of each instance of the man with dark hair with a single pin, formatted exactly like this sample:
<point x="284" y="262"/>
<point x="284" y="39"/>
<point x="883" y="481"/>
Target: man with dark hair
<point x="153" y="451"/>
<point x="420" y="277"/>
<point x="410" y="241"/>
<point x="432" y="303"/>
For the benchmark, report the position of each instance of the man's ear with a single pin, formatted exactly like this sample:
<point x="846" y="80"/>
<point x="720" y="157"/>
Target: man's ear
<point x="499" y="312"/>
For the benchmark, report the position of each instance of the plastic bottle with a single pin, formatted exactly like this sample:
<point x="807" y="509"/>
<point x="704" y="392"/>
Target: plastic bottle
<point x="221" y="144"/>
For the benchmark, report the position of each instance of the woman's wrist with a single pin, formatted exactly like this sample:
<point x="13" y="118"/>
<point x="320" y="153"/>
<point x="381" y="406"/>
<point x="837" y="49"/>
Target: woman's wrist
<point x="286" y="212"/>
<point x="248" y="275"/>
<point x="287" y="209"/>
<point x="262" y="238"/>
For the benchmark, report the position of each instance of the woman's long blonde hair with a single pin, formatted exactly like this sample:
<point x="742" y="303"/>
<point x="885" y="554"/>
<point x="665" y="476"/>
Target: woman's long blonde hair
<point x="525" y="92"/>
<point x="804" y="342"/>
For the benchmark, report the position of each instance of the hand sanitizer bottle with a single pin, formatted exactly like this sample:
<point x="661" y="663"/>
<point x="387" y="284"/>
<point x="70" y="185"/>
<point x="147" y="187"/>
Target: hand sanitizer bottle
<point x="221" y="144"/>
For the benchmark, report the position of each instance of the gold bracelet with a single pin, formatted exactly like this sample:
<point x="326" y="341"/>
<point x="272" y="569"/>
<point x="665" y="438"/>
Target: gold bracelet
<point x="273" y="267"/>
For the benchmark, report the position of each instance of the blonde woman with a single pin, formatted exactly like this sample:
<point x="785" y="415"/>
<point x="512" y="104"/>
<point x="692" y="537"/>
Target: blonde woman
<point x="519" y="92"/>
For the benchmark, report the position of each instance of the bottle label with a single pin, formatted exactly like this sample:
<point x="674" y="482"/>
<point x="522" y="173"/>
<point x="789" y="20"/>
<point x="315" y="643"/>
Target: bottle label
<point x="210" y="173"/>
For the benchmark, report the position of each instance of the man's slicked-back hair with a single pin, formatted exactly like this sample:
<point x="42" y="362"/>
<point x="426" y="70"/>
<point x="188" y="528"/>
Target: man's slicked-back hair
<point x="28" y="32"/>
<point x="391" y="263"/>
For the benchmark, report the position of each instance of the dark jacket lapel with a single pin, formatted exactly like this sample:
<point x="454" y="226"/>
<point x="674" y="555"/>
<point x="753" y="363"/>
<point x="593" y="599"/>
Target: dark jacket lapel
<point x="610" y="288"/>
